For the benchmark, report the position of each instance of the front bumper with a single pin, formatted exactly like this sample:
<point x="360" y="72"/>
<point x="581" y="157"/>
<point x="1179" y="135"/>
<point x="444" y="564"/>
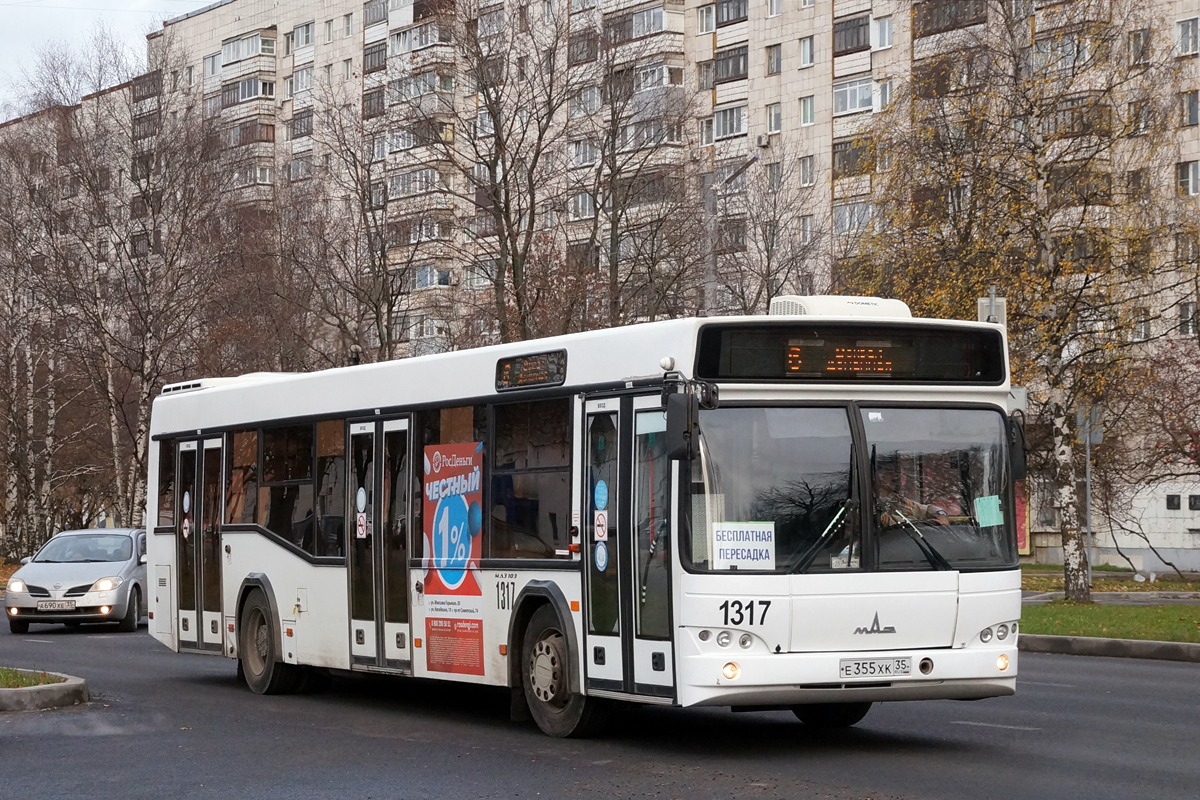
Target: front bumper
<point x="783" y="679"/>
<point x="87" y="607"/>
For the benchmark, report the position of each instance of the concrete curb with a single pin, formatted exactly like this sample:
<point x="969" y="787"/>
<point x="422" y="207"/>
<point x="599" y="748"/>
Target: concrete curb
<point x="70" y="692"/>
<point x="1120" y="598"/>
<point x="1113" y="648"/>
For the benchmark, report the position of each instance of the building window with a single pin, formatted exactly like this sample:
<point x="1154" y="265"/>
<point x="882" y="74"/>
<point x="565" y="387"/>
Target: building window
<point x="774" y="118"/>
<point x="328" y="31"/>
<point x="706" y="131"/>
<point x="1187" y="175"/>
<point x="774" y="8"/>
<point x="774" y="59"/>
<point x="479" y="274"/>
<point x="851" y="36"/>
<point x="1172" y="502"/>
<point x="1187" y="318"/>
<point x="705" y="75"/>
<point x="584" y="153"/>
<point x="706" y="19"/>
<point x="375" y="57"/>
<point x="808" y="170"/>
<point x="731" y="11"/>
<point x="302" y="124"/>
<point x="808" y="110"/>
<point x="428" y="276"/>
<point x="850" y="97"/>
<point x="884" y="93"/>
<point x="938" y="16"/>
<point x="1187" y="42"/>
<point x="1141" y="324"/>
<point x="851" y="158"/>
<point x="729" y="122"/>
<point x="583" y="206"/>
<point x="587" y="101"/>
<point x="731" y="64"/>
<point x="806" y="229"/>
<point x="851" y="217"/>
<point x="374" y="12"/>
<point x="1139" y="47"/>
<point x="1194" y="502"/>
<point x="883" y="33"/>
<point x="774" y="176"/>
<point x="647" y="22"/>
<point x="806" y="52"/>
<point x="347" y="25"/>
<point x="582" y="48"/>
<point x="374" y="103"/>
<point x="212" y="65"/>
<point x="807" y="3"/>
<point x="1189" y="103"/>
<point x="582" y="5"/>
<point x="302" y="35"/>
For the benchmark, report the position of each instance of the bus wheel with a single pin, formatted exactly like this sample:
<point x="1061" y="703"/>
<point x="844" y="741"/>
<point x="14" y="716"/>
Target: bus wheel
<point x="257" y="660"/>
<point x="831" y="715"/>
<point x="546" y="679"/>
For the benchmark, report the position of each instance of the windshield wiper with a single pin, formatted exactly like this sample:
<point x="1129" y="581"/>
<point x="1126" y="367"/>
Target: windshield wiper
<point x="47" y="561"/>
<point x="928" y="550"/>
<point x="810" y="555"/>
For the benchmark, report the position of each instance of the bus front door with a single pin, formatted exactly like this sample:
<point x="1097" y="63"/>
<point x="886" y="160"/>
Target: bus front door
<point x="378" y="525"/>
<point x="198" y="544"/>
<point x="629" y="508"/>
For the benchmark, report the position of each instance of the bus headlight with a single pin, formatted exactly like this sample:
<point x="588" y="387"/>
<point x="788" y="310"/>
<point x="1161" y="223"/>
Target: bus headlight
<point x="1002" y="662"/>
<point x="745" y="640"/>
<point x="731" y="671"/>
<point x="985" y="635"/>
<point x="1002" y="632"/>
<point x="723" y="638"/>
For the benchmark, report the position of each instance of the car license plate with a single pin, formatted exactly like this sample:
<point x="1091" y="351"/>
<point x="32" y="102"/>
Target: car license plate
<point x="874" y="667"/>
<point x="56" y="605"/>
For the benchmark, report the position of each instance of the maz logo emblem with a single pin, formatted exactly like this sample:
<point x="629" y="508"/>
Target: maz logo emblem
<point x="875" y="627"/>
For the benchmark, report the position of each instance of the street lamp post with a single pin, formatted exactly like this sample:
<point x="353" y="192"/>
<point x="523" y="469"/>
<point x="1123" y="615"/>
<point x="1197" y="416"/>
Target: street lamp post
<point x="710" y="216"/>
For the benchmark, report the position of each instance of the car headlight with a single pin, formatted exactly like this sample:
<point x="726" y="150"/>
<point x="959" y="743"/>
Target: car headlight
<point x="105" y="585"/>
<point x="16" y="586"/>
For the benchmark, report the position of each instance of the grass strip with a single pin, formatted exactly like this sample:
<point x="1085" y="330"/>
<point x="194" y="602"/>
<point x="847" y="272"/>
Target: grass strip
<point x="1155" y="623"/>
<point x="1054" y="583"/>
<point x="18" y="679"/>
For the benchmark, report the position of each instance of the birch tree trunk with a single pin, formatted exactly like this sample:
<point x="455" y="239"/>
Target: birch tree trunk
<point x="1066" y="500"/>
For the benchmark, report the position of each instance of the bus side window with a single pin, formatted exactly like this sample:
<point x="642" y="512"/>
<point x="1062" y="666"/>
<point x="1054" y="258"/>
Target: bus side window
<point x="530" y="485"/>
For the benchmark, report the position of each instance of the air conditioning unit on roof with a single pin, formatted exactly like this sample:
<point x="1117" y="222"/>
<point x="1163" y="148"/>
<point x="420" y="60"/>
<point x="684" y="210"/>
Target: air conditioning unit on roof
<point x="828" y="305"/>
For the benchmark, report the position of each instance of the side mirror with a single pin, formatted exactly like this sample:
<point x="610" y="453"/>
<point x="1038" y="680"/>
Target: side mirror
<point x="26" y="560"/>
<point x="681" y="424"/>
<point x="143" y="559"/>
<point x="1017" y="448"/>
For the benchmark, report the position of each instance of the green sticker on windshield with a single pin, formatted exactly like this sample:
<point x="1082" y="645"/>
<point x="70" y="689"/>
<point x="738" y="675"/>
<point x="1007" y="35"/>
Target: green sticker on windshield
<point x="987" y="511"/>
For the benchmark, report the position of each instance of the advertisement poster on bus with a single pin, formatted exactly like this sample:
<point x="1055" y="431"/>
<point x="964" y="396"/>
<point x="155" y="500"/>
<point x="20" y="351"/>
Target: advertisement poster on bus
<point x="1023" y="545"/>
<point x="453" y="518"/>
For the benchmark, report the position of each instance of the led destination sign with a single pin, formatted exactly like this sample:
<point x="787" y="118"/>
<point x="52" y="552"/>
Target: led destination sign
<point x="850" y="352"/>
<point x="537" y="369"/>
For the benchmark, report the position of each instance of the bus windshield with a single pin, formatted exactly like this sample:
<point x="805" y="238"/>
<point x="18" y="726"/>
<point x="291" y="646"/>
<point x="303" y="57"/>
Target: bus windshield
<point x="775" y="490"/>
<point x="939" y="479"/>
<point x="772" y="490"/>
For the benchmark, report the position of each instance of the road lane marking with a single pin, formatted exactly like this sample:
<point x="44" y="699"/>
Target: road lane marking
<point x="40" y="641"/>
<point x="994" y="725"/>
<point x="1043" y="683"/>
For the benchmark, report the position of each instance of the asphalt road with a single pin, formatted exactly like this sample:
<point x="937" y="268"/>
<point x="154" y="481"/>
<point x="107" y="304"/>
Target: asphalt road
<point x="168" y="725"/>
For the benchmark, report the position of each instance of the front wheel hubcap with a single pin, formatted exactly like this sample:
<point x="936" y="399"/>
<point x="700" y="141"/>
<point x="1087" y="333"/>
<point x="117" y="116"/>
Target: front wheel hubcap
<point x="547" y="670"/>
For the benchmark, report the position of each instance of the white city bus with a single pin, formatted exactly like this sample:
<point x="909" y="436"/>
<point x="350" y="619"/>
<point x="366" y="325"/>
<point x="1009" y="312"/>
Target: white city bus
<point x="811" y="511"/>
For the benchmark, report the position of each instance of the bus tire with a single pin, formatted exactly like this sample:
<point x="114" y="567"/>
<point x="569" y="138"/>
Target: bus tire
<point x="258" y="663"/>
<point x="831" y="715"/>
<point x="546" y="680"/>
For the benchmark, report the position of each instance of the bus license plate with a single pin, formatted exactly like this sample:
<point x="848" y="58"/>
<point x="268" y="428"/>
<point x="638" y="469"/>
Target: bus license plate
<point x="56" y="605"/>
<point x="874" y="667"/>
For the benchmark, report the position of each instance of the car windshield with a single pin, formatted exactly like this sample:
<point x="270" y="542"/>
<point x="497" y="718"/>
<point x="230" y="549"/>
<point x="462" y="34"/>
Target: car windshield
<point x="939" y="479"/>
<point x="86" y="547"/>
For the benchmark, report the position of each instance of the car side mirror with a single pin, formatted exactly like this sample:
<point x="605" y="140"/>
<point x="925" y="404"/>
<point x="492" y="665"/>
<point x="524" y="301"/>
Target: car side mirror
<point x="26" y="560"/>
<point x="1017" y="448"/>
<point x="143" y="559"/>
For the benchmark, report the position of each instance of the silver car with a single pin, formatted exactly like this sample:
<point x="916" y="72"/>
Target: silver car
<point x="96" y="575"/>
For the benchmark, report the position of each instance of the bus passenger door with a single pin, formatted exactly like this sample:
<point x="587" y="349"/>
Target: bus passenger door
<point x="629" y="507"/>
<point x="198" y="541"/>
<point x="378" y="525"/>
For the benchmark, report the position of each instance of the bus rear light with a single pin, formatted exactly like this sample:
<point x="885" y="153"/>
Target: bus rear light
<point x="731" y="671"/>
